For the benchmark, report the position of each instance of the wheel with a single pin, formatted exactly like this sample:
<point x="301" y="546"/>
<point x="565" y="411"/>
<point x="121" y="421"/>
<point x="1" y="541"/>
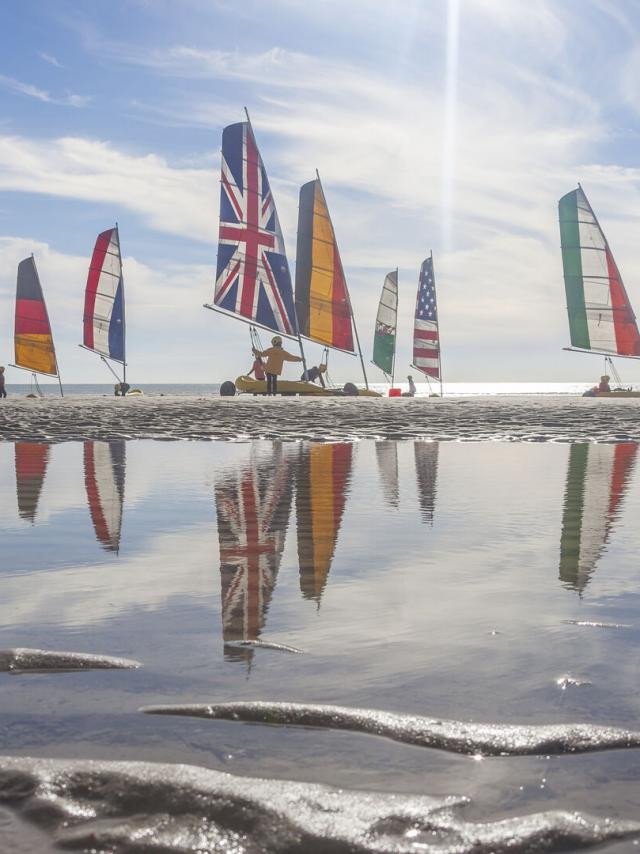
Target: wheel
<point x="350" y="389"/>
<point x="228" y="389"/>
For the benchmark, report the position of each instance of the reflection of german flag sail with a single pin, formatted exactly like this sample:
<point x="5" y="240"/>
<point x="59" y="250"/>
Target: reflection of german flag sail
<point x="322" y="300"/>
<point x="323" y="478"/>
<point x="34" y="348"/>
<point x="600" y="314"/>
<point x="253" y="506"/>
<point x="252" y="279"/>
<point x="32" y="459"/>
<point x="104" y="468"/>
<point x="597" y="477"/>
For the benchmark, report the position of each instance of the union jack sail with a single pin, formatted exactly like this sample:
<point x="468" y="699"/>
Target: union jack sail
<point x="253" y="507"/>
<point x="426" y="338"/>
<point x="253" y="278"/>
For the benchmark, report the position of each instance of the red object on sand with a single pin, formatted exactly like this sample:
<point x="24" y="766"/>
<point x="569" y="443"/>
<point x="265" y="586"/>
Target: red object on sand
<point x="395" y="392"/>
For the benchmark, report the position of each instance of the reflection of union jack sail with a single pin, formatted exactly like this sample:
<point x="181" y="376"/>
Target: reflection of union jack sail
<point x="32" y="459"/>
<point x="426" y="454"/>
<point x="33" y="339"/>
<point x="104" y="473"/>
<point x="253" y="506"/>
<point x="597" y="478"/>
<point x="324" y="473"/>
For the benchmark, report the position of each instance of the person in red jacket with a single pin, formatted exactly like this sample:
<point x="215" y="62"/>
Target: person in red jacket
<point x="257" y="369"/>
<point x="604" y="383"/>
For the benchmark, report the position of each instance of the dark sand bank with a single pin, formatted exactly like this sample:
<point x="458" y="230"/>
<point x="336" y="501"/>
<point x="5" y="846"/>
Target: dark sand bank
<point x="523" y="418"/>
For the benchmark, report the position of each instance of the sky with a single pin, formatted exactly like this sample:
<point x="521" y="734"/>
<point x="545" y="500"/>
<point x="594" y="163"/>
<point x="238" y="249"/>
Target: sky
<point x="445" y="125"/>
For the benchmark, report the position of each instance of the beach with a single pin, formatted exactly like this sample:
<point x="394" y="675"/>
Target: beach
<point x="497" y="418"/>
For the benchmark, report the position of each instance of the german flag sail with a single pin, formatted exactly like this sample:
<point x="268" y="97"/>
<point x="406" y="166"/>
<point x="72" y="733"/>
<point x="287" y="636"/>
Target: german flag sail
<point x="34" y="348"/>
<point x="600" y="315"/>
<point x="323" y="480"/>
<point x="322" y="300"/>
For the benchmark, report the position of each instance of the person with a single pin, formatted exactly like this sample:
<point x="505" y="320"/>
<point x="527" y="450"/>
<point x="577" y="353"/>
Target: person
<point x="604" y="383"/>
<point x="257" y="369"/>
<point x="276" y="356"/>
<point x="120" y="389"/>
<point x="412" y="388"/>
<point x="313" y="374"/>
<point x="3" y="391"/>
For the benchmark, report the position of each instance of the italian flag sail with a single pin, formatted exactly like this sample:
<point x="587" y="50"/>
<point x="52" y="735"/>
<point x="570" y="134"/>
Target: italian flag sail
<point x="597" y="478"/>
<point x="384" y="342"/>
<point x="600" y="315"/>
<point x="104" y="318"/>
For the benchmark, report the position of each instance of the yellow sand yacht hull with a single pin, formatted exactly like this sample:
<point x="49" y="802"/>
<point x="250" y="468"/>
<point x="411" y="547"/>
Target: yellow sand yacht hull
<point x="248" y="385"/>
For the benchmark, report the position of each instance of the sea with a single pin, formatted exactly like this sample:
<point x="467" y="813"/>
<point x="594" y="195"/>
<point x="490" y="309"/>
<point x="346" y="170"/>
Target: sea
<point x="457" y="389"/>
<point x="457" y="625"/>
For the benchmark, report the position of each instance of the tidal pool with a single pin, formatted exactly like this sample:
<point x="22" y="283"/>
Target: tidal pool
<point x="492" y="583"/>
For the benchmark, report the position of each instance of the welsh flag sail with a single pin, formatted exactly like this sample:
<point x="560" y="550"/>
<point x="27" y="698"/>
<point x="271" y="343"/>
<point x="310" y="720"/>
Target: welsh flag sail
<point x="426" y="337"/>
<point x="600" y="314"/>
<point x="384" y="342"/>
<point x="253" y="280"/>
<point x="103" y="319"/>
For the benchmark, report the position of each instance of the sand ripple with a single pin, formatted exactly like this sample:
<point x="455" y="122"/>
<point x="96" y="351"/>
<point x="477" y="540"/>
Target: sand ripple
<point x="454" y="736"/>
<point x="533" y="419"/>
<point x="24" y="660"/>
<point x="142" y="807"/>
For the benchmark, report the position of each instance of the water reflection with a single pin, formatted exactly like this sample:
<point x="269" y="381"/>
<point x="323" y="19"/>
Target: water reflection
<point x="104" y="475"/>
<point x="253" y="506"/>
<point x="426" y="456"/>
<point x="322" y="483"/>
<point x="32" y="459"/>
<point x="387" y="456"/>
<point x="597" y="479"/>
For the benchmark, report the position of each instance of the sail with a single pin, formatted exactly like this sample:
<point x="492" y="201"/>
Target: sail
<point x="32" y="459"/>
<point x="384" y="342"/>
<point x="387" y="456"/>
<point x="103" y="320"/>
<point x="253" y="505"/>
<point x="426" y="455"/>
<point x="324" y="474"/>
<point x="34" y="348"/>
<point x="426" y="337"/>
<point x="322" y="299"/>
<point x="600" y="314"/>
<point x="597" y="478"/>
<point x="252" y="278"/>
<point x="104" y="471"/>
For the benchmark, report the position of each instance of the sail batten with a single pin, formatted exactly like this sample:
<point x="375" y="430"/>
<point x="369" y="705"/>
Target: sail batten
<point x="33" y="339"/>
<point x="601" y="318"/>
<point x="104" y="315"/>
<point x="322" y="300"/>
<point x="253" y="280"/>
<point x="384" y="342"/>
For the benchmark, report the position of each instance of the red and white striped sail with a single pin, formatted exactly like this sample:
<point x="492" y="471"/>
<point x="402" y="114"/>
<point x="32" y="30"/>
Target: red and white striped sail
<point x="104" y="464"/>
<point x="103" y="320"/>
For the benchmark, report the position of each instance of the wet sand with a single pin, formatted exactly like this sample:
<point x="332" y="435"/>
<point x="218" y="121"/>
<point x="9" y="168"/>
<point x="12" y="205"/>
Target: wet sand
<point x="518" y="418"/>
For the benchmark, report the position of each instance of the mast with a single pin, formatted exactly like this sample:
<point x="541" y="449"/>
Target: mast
<point x="353" y="320"/>
<point x="295" y="314"/>
<point x="124" y="313"/>
<point x="46" y="314"/>
<point x="393" y="364"/>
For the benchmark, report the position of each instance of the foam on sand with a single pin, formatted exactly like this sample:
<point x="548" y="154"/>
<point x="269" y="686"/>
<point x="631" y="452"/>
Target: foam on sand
<point x="455" y="736"/>
<point x="137" y="806"/>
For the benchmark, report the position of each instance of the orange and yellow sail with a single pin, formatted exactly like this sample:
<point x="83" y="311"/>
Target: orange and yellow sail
<point x="34" y="348"/>
<point x="322" y="300"/>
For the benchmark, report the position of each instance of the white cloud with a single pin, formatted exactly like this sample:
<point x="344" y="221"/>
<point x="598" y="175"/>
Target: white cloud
<point x="20" y="88"/>
<point x="48" y="57"/>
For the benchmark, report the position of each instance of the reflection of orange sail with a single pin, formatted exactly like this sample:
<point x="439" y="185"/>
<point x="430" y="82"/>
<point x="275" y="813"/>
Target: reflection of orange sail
<point x="427" y="472"/>
<point x="104" y="466"/>
<point x="253" y="507"/>
<point x="323" y="479"/>
<point x="31" y="466"/>
<point x="597" y="478"/>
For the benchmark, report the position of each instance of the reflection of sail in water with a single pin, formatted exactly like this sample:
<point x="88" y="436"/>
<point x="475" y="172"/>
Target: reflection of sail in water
<point x="387" y="455"/>
<point x="253" y="506"/>
<point x="324" y="473"/>
<point x="427" y="472"/>
<point x="104" y="465"/>
<point x="597" y="478"/>
<point x="31" y="466"/>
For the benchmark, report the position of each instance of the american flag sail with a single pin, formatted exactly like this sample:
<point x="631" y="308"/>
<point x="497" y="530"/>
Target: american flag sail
<point x="253" y="278"/>
<point x="253" y="506"/>
<point x="426" y="337"/>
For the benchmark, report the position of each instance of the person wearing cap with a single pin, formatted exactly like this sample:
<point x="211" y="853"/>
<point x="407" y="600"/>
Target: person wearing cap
<point x="604" y="383"/>
<point x="3" y="392"/>
<point x="313" y="374"/>
<point x="276" y="356"/>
